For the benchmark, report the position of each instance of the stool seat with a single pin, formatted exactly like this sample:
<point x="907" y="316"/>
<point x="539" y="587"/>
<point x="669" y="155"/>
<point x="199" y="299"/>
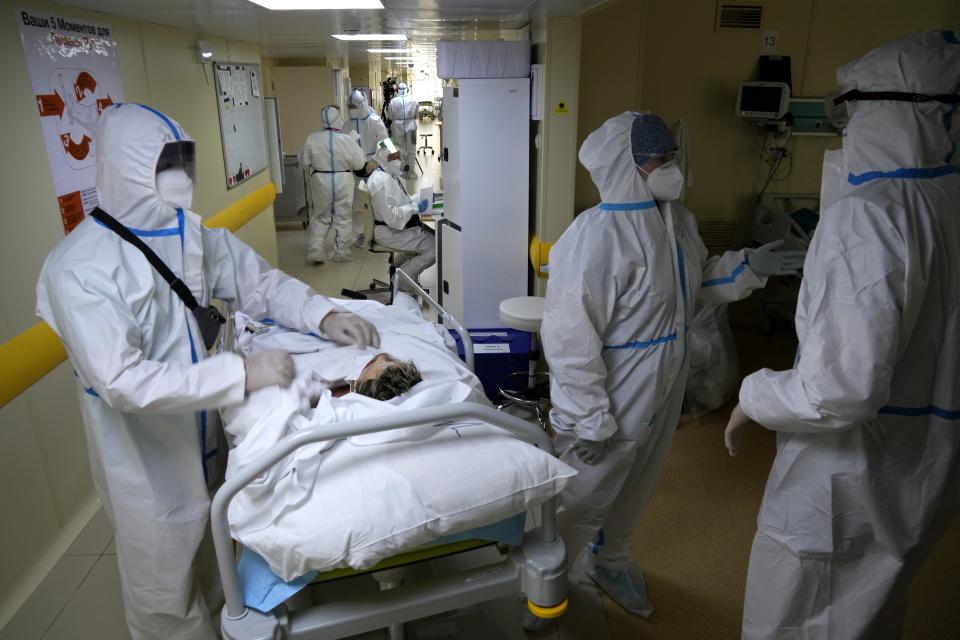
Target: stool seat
<point x="524" y="313"/>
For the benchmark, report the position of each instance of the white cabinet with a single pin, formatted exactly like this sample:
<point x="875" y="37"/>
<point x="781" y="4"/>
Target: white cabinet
<point x="484" y="239"/>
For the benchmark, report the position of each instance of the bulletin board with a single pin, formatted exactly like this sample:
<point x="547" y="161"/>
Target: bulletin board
<point x="240" y="104"/>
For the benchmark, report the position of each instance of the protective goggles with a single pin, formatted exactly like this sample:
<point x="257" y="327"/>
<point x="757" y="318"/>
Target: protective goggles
<point x="178" y="155"/>
<point x="838" y="112"/>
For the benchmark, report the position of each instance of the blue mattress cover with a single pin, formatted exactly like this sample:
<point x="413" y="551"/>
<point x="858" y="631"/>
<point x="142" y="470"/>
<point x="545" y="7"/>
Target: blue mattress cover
<point x="263" y="589"/>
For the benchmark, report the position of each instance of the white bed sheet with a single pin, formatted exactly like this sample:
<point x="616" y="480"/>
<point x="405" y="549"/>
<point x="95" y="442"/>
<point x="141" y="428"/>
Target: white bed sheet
<point x="355" y="502"/>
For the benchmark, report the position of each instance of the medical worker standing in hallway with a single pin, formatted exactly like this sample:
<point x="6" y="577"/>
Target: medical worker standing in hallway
<point x="623" y="281"/>
<point x="331" y="155"/>
<point x="402" y="112"/>
<point x="370" y="129"/>
<point x="145" y="380"/>
<point x="867" y="471"/>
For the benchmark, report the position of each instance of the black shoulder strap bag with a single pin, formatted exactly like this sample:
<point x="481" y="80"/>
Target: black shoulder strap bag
<point x="209" y="319"/>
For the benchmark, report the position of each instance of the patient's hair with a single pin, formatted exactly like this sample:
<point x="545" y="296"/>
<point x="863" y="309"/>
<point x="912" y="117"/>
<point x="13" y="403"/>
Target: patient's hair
<point x="393" y="381"/>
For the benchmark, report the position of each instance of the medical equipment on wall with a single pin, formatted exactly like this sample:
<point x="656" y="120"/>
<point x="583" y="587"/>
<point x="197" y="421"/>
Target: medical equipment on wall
<point x="762" y="101"/>
<point x="482" y="243"/>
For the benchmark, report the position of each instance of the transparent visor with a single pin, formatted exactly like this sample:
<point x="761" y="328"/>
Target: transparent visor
<point x="391" y="149"/>
<point x="178" y="155"/>
<point x="655" y="160"/>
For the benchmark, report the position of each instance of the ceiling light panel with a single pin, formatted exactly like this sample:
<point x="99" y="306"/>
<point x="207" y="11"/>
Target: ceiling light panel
<point x="314" y="5"/>
<point x="370" y="36"/>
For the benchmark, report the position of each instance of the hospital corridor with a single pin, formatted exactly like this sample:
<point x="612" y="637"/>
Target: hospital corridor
<point x="480" y="320"/>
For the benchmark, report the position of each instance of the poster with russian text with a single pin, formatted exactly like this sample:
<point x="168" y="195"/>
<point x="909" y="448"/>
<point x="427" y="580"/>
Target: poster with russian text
<point x="75" y="76"/>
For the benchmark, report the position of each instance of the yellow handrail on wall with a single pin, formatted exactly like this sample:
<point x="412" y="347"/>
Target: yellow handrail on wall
<point x="29" y="356"/>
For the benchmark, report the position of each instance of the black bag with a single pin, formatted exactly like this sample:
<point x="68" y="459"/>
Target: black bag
<point x="209" y="319"/>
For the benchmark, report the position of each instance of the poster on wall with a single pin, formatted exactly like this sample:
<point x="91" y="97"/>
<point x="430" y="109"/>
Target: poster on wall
<point x="75" y="76"/>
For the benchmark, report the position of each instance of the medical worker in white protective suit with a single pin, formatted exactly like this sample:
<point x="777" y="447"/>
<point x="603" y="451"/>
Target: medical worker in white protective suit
<point x="146" y="384"/>
<point x="331" y="156"/>
<point x="624" y="278"/>
<point x="397" y="215"/>
<point x="370" y="129"/>
<point x="402" y="112"/>
<point x="867" y="471"/>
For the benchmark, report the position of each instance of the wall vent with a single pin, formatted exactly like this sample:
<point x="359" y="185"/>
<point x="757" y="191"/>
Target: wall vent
<point x="731" y="16"/>
<point x="718" y="235"/>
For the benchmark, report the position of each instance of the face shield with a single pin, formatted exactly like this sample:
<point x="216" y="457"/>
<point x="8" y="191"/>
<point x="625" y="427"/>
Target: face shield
<point x="388" y="150"/>
<point x="176" y="170"/>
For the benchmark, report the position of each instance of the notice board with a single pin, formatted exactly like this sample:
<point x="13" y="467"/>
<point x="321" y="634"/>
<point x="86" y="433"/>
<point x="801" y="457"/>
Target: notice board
<point x="240" y="103"/>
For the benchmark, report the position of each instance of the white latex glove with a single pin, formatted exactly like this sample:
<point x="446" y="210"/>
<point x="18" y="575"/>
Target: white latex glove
<point x="589" y="451"/>
<point x="767" y="261"/>
<point x="266" y="368"/>
<point x="734" y="431"/>
<point x="348" y="329"/>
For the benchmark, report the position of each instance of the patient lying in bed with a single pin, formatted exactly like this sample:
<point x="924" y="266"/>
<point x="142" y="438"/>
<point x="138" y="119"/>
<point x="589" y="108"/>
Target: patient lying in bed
<point x="352" y="502"/>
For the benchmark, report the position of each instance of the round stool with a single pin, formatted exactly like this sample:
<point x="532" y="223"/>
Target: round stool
<point x="525" y="313"/>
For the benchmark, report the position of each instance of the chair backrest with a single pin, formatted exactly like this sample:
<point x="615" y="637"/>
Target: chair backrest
<point x="367" y="207"/>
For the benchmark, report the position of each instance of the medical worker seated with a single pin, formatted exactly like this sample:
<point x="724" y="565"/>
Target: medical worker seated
<point x="624" y="278"/>
<point x="396" y="214"/>
<point x="146" y="383"/>
<point x="867" y="473"/>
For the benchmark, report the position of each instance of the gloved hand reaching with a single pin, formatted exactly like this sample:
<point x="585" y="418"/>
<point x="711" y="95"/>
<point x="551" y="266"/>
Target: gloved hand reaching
<point x="422" y="206"/>
<point x="348" y="329"/>
<point x="266" y="368"/>
<point x="734" y="431"/>
<point x="589" y="451"/>
<point x="767" y="261"/>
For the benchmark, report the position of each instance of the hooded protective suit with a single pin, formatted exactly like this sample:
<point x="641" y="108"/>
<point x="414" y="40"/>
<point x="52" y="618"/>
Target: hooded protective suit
<point x="331" y="156"/>
<point x="402" y="112"/>
<point x="370" y="129"/>
<point x="867" y="470"/>
<point x="394" y="211"/>
<point x="144" y="379"/>
<point x="623" y="281"/>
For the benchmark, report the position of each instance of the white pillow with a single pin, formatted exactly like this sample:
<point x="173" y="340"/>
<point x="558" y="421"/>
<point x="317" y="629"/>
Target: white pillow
<point x="371" y="502"/>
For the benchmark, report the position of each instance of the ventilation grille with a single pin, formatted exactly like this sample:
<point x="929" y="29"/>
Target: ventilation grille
<point x="718" y="236"/>
<point x="739" y="16"/>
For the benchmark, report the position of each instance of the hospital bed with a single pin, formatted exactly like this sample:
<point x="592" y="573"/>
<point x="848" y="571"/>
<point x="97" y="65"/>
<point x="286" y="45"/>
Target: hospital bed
<point x="534" y="568"/>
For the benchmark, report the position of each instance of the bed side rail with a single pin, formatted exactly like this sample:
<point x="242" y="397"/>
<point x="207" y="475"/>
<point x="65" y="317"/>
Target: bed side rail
<point x="432" y="416"/>
<point x="448" y="320"/>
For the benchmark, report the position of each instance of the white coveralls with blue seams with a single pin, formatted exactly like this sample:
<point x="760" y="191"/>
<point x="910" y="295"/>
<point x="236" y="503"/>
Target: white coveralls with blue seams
<point x="402" y="112"/>
<point x="867" y="472"/>
<point x="331" y="156"/>
<point x="145" y="380"/>
<point x="623" y="281"/>
<point x="370" y="130"/>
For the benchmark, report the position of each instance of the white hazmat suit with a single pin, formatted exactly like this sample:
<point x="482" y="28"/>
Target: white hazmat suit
<point x="624" y="278"/>
<point x="397" y="216"/>
<point x="867" y="470"/>
<point x="402" y="112"/>
<point x="370" y="130"/>
<point x="331" y="156"/>
<point x="145" y="382"/>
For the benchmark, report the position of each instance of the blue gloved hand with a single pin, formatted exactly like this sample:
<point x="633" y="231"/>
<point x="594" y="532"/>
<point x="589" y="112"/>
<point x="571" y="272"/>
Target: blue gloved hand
<point x="767" y="261"/>
<point x="422" y="206"/>
<point x="589" y="451"/>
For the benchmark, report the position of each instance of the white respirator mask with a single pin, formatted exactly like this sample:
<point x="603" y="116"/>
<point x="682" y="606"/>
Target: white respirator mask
<point x="394" y="167"/>
<point x="175" y="187"/>
<point x="666" y="181"/>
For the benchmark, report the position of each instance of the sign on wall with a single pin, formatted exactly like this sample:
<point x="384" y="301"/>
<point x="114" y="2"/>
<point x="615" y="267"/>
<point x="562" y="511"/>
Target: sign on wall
<point x="240" y="105"/>
<point x="75" y="76"/>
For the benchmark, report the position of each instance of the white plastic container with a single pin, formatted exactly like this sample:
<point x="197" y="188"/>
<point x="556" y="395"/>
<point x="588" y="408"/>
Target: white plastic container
<point x="464" y="59"/>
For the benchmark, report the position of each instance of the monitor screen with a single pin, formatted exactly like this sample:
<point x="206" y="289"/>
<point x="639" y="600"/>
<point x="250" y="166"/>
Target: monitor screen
<point x="758" y="98"/>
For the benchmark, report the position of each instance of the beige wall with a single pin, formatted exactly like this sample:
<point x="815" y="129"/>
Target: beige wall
<point x="556" y="45"/>
<point x="667" y="58"/>
<point x="301" y="94"/>
<point x="43" y="464"/>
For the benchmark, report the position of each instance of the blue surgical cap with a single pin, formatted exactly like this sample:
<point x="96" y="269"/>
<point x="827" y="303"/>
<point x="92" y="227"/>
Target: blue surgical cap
<point x="650" y="136"/>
